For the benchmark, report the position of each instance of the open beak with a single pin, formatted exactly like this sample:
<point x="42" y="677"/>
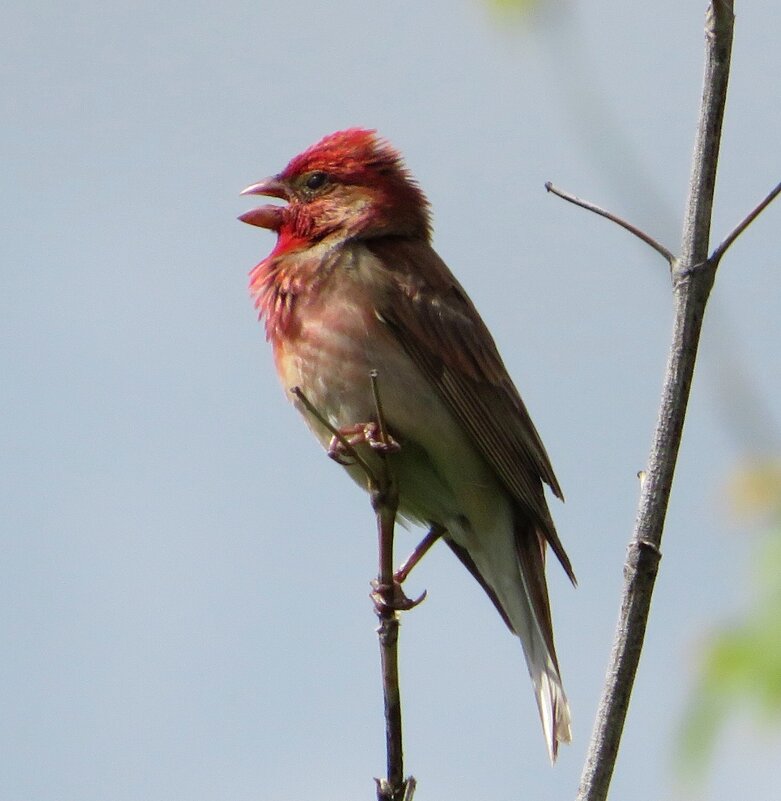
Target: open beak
<point x="268" y="216"/>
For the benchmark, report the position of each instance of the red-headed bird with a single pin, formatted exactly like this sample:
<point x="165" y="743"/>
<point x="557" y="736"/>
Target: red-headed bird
<point x="353" y="285"/>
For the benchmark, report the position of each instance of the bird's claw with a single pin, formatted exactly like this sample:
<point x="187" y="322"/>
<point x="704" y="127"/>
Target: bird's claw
<point x="391" y="598"/>
<point x="338" y="452"/>
<point x="360" y="434"/>
<point x="379" y="441"/>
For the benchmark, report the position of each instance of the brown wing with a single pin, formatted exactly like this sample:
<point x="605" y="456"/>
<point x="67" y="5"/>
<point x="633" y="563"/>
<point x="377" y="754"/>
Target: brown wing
<point x="437" y="324"/>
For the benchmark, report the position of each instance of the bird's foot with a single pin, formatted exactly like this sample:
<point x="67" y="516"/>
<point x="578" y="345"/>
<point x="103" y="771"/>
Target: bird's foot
<point x="360" y="434"/>
<point x="390" y="598"/>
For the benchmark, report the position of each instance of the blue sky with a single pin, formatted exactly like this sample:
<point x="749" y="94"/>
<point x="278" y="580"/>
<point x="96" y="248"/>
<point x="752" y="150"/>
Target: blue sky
<point x="184" y="577"/>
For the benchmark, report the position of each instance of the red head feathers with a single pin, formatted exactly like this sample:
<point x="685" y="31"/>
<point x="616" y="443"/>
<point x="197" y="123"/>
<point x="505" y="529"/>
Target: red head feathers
<point x="352" y="183"/>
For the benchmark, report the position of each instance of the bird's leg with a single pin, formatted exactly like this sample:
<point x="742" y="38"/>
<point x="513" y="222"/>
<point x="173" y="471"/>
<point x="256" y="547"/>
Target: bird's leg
<point x="360" y="434"/>
<point x="434" y="533"/>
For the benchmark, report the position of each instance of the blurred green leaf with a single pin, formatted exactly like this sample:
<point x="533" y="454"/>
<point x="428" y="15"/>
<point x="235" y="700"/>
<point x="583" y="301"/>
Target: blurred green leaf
<point x="740" y="671"/>
<point x="514" y="6"/>
<point x="755" y="491"/>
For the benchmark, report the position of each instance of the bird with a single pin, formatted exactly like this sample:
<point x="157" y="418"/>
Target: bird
<point x="353" y="287"/>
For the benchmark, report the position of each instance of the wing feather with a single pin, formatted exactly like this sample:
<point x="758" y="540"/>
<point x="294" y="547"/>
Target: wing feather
<point x="439" y="327"/>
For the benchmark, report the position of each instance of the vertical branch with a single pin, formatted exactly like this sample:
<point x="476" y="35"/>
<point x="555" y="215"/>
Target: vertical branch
<point x="387" y="595"/>
<point x="385" y="501"/>
<point x="692" y="277"/>
<point x="719" y="25"/>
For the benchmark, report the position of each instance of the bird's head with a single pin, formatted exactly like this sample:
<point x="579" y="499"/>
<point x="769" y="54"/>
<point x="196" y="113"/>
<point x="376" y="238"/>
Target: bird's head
<point x="351" y="183"/>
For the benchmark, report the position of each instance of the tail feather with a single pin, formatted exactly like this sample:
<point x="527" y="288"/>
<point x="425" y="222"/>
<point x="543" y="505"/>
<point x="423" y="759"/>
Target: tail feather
<point x="510" y="566"/>
<point x="537" y="640"/>
<point x="554" y="710"/>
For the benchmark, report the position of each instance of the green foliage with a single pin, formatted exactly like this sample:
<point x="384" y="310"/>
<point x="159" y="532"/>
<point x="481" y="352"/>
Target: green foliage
<point x="741" y="662"/>
<point x="514" y="6"/>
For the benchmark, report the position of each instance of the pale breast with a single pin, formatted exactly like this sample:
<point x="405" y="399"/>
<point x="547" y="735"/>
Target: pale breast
<point x="339" y="341"/>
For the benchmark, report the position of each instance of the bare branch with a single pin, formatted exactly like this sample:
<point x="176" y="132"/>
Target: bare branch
<point x="693" y="276"/>
<point x="719" y="24"/>
<point x="744" y="223"/>
<point x="388" y="599"/>
<point x="387" y="595"/>
<point x="633" y="229"/>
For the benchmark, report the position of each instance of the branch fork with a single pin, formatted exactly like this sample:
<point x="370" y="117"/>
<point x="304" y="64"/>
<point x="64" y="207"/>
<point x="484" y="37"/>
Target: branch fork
<point x="692" y="273"/>
<point x="677" y="269"/>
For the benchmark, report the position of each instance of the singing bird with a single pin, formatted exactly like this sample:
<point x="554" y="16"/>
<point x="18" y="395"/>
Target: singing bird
<point x="353" y="285"/>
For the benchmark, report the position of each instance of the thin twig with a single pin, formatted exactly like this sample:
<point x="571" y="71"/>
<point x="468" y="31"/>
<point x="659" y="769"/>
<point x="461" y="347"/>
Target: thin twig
<point x="633" y="229"/>
<point x="384" y="497"/>
<point x="385" y="500"/>
<point x="373" y="376"/>
<point x="693" y="276"/>
<point x="343" y="441"/>
<point x="744" y="223"/>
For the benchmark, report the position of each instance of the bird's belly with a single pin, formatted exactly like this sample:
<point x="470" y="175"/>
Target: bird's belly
<point x="442" y="478"/>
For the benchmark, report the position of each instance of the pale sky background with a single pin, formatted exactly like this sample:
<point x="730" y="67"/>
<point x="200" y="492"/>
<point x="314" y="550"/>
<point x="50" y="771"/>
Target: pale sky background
<point x="184" y="575"/>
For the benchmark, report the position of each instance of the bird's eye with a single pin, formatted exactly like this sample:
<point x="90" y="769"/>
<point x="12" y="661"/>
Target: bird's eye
<point x="316" y="180"/>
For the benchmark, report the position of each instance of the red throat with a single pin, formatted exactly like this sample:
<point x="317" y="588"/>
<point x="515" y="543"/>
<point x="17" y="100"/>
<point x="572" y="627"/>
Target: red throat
<point x="277" y="281"/>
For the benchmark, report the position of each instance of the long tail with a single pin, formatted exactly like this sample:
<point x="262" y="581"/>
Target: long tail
<point x="535" y="630"/>
<point x="512" y="573"/>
